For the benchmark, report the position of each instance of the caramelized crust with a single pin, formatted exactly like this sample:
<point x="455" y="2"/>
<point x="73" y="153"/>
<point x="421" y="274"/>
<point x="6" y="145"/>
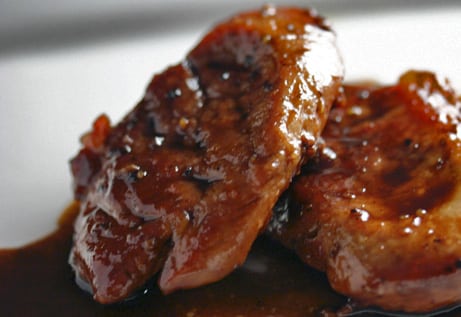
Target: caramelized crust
<point x="188" y="179"/>
<point x="379" y="208"/>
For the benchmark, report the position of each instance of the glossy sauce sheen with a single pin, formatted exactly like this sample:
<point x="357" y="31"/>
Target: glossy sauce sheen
<point x="37" y="281"/>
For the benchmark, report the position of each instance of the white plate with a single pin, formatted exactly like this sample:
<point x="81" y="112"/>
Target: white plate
<point x="50" y="95"/>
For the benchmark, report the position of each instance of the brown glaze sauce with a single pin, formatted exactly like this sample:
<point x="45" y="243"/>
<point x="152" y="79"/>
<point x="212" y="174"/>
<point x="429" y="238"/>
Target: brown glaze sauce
<point x="36" y="280"/>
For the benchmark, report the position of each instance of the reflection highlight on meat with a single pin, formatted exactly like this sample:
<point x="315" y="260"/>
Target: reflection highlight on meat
<point x="187" y="180"/>
<point x="378" y="209"/>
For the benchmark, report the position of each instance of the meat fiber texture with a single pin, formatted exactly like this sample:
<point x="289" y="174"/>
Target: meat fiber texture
<point x="187" y="180"/>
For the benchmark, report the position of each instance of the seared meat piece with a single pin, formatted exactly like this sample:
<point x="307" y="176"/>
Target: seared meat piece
<point x="189" y="178"/>
<point x="379" y="209"/>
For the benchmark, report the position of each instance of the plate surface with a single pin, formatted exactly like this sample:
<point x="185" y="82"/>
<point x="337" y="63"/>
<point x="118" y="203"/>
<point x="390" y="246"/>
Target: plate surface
<point x="54" y="81"/>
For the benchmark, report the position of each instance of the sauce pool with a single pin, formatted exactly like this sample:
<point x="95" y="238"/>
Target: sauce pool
<point x="36" y="280"/>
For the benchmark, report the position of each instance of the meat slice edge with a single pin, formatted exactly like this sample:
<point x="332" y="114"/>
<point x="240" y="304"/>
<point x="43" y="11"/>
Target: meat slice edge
<point x="187" y="180"/>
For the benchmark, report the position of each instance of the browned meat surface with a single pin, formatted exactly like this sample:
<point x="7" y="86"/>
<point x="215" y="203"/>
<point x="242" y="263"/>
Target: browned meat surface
<point x="187" y="180"/>
<point x="380" y="208"/>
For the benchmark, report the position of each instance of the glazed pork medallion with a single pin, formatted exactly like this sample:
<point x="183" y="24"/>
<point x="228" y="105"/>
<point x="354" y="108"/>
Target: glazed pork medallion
<point x="187" y="180"/>
<point x="379" y="208"/>
<point x="242" y="130"/>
